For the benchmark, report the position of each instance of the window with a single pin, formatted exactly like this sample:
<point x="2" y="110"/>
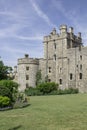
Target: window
<point x="71" y="76"/>
<point x="27" y="67"/>
<point x="60" y="70"/>
<point x="54" y="45"/>
<point x="80" y="48"/>
<point x="27" y="85"/>
<point x="27" y="77"/>
<point x="55" y="57"/>
<point x="80" y="76"/>
<point x="60" y="81"/>
<point x="49" y="80"/>
<point x="49" y="69"/>
<point x="80" y="57"/>
<point x="80" y="67"/>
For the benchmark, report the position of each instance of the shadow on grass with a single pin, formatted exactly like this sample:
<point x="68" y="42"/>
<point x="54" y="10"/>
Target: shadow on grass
<point x="16" y="127"/>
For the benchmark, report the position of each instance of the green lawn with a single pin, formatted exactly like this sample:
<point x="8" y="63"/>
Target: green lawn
<point x="66" y="112"/>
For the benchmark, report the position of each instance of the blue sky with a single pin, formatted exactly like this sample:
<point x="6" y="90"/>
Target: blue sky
<point x="23" y="23"/>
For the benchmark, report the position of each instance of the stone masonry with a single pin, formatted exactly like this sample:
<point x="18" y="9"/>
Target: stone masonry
<point x="64" y="62"/>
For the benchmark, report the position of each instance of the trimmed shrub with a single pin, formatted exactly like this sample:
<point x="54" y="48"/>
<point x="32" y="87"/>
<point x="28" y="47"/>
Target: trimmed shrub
<point x="11" y="85"/>
<point x="55" y="92"/>
<point x="46" y="88"/>
<point x="68" y="91"/>
<point x="9" y="88"/>
<point x="32" y="91"/>
<point x="5" y="92"/>
<point x="4" y="101"/>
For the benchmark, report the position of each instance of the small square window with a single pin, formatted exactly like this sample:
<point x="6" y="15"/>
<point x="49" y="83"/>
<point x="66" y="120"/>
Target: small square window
<point x="27" y="85"/>
<point x="27" y="77"/>
<point x="27" y="67"/>
<point x="49" y="80"/>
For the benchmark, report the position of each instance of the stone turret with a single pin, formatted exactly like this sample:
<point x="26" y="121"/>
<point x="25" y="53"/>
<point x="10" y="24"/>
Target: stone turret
<point x="71" y="30"/>
<point x="79" y="34"/>
<point x="63" y="29"/>
<point x="27" y="69"/>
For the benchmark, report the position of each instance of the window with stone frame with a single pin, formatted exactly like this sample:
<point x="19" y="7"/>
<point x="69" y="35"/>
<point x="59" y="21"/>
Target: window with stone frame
<point x="55" y="46"/>
<point x="60" y="70"/>
<point x="80" y="75"/>
<point x="49" y="69"/>
<point x="80" y="57"/>
<point x="49" y="80"/>
<point x="80" y="67"/>
<point x="60" y="81"/>
<point x="27" y="67"/>
<point x="27" y="85"/>
<point x="54" y="57"/>
<point x="71" y="76"/>
<point x="27" y="77"/>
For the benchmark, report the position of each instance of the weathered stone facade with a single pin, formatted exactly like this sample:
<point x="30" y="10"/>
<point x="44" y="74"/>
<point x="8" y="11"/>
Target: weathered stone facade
<point x="64" y="62"/>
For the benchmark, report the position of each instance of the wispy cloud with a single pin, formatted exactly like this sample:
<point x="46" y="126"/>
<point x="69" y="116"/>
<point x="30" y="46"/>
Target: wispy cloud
<point x="41" y="14"/>
<point x="30" y="38"/>
<point x="73" y="16"/>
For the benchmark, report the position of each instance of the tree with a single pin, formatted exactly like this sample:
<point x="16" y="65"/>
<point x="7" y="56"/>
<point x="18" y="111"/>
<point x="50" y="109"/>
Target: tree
<point x="38" y="77"/>
<point x="4" y="71"/>
<point x="9" y="88"/>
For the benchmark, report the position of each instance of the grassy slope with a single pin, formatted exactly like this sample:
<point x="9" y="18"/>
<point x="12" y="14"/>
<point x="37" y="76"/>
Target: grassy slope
<point x="66" y="112"/>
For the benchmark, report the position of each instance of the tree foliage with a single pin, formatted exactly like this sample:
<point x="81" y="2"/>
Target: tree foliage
<point x="4" y="71"/>
<point x="38" y="77"/>
<point x="8" y="88"/>
<point x="4" y="101"/>
<point x="47" y="87"/>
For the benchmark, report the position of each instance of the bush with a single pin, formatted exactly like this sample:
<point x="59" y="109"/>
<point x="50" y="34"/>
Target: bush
<point x="68" y="91"/>
<point x="5" y="92"/>
<point x="32" y="91"/>
<point x="4" y="101"/>
<point x="55" y="92"/>
<point x="9" y="88"/>
<point x="11" y="85"/>
<point x="20" y="104"/>
<point x="46" y="88"/>
<point x="21" y="101"/>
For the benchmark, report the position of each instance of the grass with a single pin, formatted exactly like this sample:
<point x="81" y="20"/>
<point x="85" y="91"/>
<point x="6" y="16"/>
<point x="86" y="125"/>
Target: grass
<point x="64" y="112"/>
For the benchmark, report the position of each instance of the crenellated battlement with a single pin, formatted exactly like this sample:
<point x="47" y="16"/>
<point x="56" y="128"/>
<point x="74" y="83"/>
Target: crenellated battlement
<point x="27" y="60"/>
<point x="64" y="32"/>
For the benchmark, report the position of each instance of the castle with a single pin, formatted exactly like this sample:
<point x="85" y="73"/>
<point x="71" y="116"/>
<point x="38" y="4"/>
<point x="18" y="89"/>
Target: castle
<point x="64" y="62"/>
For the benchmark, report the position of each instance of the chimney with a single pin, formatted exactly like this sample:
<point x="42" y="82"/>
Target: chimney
<point x="26" y="55"/>
<point x="54" y="31"/>
<point x="63" y="29"/>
